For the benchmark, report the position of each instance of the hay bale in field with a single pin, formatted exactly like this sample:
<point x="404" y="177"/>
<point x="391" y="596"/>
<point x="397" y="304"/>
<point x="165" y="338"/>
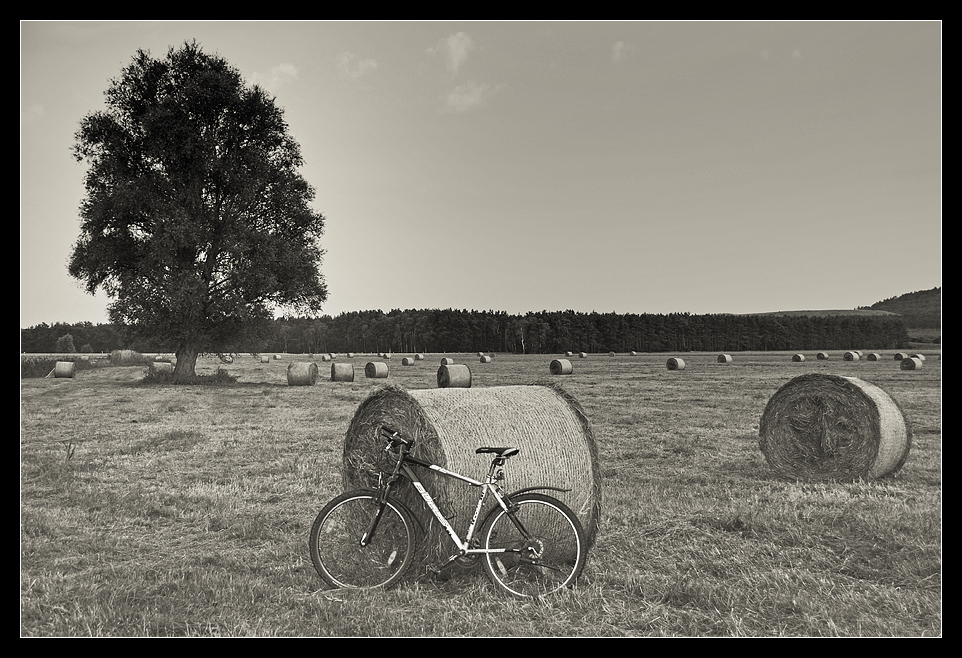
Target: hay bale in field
<point x="64" y="370"/>
<point x="456" y="375"/>
<point x="825" y="427"/>
<point x="822" y="356"/>
<point x="265" y="359"/>
<point x="125" y="357"/>
<point x="419" y="357"/>
<point x="325" y="357"/>
<point x="872" y="356"/>
<point x="300" y="373"/>
<point x="675" y="364"/>
<point x="901" y="355"/>
<point x="342" y="372"/>
<point x="851" y="356"/>
<point x="797" y="358"/>
<point x="724" y="358"/>
<point x="161" y="367"/>
<point x="407" y="361"/>
<point x="485" y="358"/>
<point x="560" y="367"/>
<point x="549" y="427"/>
<point x="277" y="357"/>
<point x="480" y="353"/>
<point x="376" y="370"/>
<point x="911" y="363"/>
<point x="446" y="361"/>
<point x="582" y="355"/>
<point x="350" y="355"/>
<point x="611" y="353"/>
<point x="569" y="354"/>
<point x="920" y="357"/>
<point x="633" y="353"/>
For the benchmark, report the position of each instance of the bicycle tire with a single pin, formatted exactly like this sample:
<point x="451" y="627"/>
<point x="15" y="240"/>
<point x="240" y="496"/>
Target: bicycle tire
<point x="551" y="560"/>
<point x="335" y="542"/>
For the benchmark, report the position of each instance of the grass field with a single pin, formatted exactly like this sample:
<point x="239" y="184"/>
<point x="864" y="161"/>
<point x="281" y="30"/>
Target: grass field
<point x="184" y="510"/>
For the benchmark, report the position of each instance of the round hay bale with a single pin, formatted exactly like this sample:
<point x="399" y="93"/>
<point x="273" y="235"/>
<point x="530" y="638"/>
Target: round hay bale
<point x="676" y="364"/>
<point x="920" y="357"/>
<point x="480" y="353"/>
<point x="446" y="361"/>
<point x="277" y="357"/>
<point x="342" y="372"/>
<point x="350" y="355"/>
<point x="724" y="358"/>
<point x="161" y="367"/>
<point x="872" y="356"/>
<point x="911" y="363"/>
<point x="825" y="427"/>
<point x="301" y="374"/>
<point x="549" y="427"/>
<point x="633" y="353"/>
<point x="797" y="358"/>
<point x="325" y="357"/>
<point x="851" y="356"/>
<point x="901" y="355"/>
<point x="485" y="359"/>
<point x="265" y="359"/>
<point x="407" y="361"/>
<point x="582" y="355"/>
<point x="419" y="357"/>
<point x="376" y="370"/>
<point x="569" y="354"/>
<point x="64" y="370"/>
<point x="822" y="356"/>
<point x="611" y="353"/>
<point x="560" y="367"/>
<point x="456" y="375"/>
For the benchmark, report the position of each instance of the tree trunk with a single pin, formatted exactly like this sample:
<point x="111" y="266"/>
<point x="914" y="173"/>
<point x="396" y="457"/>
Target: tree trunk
<point x="186" y="363"/>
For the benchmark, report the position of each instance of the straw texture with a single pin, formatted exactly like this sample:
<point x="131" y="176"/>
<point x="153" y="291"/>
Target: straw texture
<point x="560" y="367"/>
<point x="556" y="445"/>
<point x="301" y="374"/>
<point x="342" y="372"/>
<point x="376" y="370"/>
<point x="829" y="428"/>
<point x="456" y="375"/>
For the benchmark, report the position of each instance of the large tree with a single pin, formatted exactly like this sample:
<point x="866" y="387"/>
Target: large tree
<point x="196" y="221"/>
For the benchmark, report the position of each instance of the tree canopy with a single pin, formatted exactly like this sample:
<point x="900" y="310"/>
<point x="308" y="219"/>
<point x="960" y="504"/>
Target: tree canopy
<point x="196" y="221"/>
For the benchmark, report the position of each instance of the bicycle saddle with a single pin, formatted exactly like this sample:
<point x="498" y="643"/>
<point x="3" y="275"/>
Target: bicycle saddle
<point x="503" y="452"/>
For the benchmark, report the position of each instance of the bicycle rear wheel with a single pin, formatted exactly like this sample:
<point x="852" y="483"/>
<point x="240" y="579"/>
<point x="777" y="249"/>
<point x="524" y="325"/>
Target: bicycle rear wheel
<point x="335" y="542"/>
<point x="549" y="559"/>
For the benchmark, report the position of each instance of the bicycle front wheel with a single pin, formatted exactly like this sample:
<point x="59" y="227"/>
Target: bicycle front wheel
<point x="335" y="542"/>
<point x="541" y="550"/>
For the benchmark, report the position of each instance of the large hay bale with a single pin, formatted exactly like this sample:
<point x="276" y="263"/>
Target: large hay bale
<point x="675" y="364"/>
<point x="822" y="356"/>
<point x="455" y="375"/>
<point x="872" y="356"/>
<point x="544" y="422"/>
<point x="560" y="367"/>
<point x="911" y="363"/>
<point x="851" y="356"/>
<point x="797" y="358"/>
<point x="300" y="373"/>
<point x="407" y="361"/>
<point x="376" y="370"/>
<point x="826" y="428"/>
<point x="64" y="370"/>
<point x="342" y="372"/>
<point x="724" y="358"/>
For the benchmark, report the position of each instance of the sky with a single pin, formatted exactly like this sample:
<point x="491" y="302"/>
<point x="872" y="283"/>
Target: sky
<point x="626" y="167"/>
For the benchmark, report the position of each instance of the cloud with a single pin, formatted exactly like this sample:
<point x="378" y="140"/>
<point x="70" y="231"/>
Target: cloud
<point x="279" y="75"/>
<point x="468" y="96"/>
<point x="454" y="49"/>
<point x="620" y="51"/>
<point x="353" y="68"/>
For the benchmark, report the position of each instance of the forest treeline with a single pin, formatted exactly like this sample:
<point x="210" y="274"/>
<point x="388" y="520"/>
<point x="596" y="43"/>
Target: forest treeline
<point x="545" y="332"/>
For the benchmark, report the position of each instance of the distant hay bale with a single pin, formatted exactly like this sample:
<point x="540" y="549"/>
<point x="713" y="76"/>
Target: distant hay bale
<point x="569" y="354"/>
<point x="325" y="357"/>
<point x="265" y="359"/>
<point x="851" y="356"/>
<point x="301" y="374"/>
<point x="277" y="357"/>
<point x="126" y="357"/>
<point x="64" y="369"/>
<point x="911" y="363"/>
<point x="724" y="358"/>
<point x="376" y="370"/>
<point x="798" y="358"/>
<point x="226" y="358"/>
<point x="676" y="364"/>
<point x="872" y="356"/>
<point x="456" y="375"/>
<point x="822" y="356"/>
<point x="418" y="357"/>
<point x="446" y="361"/>
<point x="407" y="361"/>
<point x="611" y="353"/>
<point x="350" y="355"/>
<point x="549" y="427"/>
<point x="826" y="428"/>
<point x="161" y="367"/>
<point x="633" y="353"/>
<point x="582" y="355"/>
<point x="485" y="358"/>
<point x="560" y="367"/>
<point x="342" y="372"/>
<point x="920" y="357"/>
<point x="480" y="353"/>
<point x="901" y="355"/>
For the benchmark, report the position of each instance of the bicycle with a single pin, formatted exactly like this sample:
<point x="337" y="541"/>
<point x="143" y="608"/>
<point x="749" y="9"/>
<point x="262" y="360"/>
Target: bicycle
<point x="530" y="544"/>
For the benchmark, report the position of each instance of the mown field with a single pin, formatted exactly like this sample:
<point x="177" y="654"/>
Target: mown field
<point x="154" y="510"/>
